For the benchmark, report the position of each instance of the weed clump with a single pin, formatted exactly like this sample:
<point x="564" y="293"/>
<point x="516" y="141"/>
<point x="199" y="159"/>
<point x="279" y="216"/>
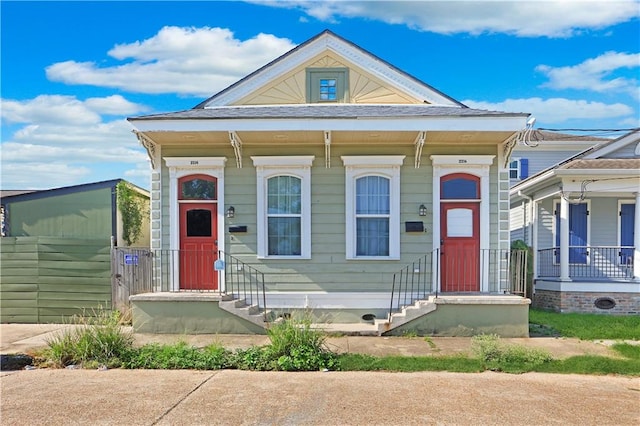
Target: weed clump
<point x="499" y="356"/>
<point x="97" y="339"/>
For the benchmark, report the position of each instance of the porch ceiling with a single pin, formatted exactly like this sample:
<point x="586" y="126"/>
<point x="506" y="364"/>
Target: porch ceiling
<point x="257" y="138"/>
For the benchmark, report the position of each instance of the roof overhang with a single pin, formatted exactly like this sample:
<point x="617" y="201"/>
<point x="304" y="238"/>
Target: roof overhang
<point x="445" y="124"/>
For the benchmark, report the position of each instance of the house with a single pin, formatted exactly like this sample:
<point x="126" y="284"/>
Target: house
<point x="539" y="151"/>
<point x="55" y="249"/>
<point x="341" y="185"/>
<point x="585" y="229"/>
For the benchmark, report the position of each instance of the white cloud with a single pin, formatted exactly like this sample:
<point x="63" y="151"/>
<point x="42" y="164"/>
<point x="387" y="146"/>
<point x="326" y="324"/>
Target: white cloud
<point x="188" y="61"/>
<point x="65" y="110"/>
<point x="596" y="74"/>
<point x="37" y="175"/>
<point x="558" y="110"/>
<point x="60" y="140"/>
<point x="531" y="18"/>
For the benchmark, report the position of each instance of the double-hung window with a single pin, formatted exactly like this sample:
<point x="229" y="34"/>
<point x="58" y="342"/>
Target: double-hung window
<point x="372" y="206"/>
<point x="519" y="168"/>
<point x="284" y="206"/>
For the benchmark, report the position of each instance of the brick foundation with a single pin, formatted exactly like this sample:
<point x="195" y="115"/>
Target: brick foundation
<point x="584" y="302"/>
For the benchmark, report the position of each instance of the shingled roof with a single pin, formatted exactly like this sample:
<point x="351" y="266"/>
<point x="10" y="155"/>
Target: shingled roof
<point x="334" y="111"/>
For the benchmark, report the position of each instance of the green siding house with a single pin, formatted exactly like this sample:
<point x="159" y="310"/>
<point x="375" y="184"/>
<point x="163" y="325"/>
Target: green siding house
<point x="55" y="250"/>
<point x="340" y="185"/>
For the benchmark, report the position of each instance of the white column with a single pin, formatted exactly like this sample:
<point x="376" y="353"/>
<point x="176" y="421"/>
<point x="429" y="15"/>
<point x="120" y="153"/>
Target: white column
<point x="636" y="240"/>
<point x="534" y="237"/>
<point x="564" y="240"/>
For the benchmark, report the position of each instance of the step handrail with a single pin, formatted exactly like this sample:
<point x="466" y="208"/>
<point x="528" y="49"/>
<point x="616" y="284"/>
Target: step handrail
<point x="243" y="281"/>
<point x="413" y="282"/>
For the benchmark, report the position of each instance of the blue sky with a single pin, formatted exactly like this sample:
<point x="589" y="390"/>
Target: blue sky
<point x="71" y="72"/>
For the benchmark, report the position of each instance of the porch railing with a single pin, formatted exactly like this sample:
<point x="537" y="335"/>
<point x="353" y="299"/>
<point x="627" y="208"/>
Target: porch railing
<point x="151" y="271"/>
<point x="588" y="262"/>
<point x="500" y="271"/>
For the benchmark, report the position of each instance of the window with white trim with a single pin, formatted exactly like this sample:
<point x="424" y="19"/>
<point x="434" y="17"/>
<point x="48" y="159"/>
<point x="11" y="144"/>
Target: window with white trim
<point x="327" y="85"/>
<point x="372" y="203"/>
<point x="519" y="168"/>
<point x="284" y="206"/>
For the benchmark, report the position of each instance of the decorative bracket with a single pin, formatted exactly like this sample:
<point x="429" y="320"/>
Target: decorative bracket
<point x="236" y="143"/>
<point x="419" y="143"/>
<point x="149" y="145"/>
<point x="327" y="149"/>
<point x="523" y="135"/>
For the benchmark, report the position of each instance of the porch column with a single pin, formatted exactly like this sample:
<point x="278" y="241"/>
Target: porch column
<point x="534" y="237"/>
<point x="564" y="240"/>
<point x="636" y="240"/>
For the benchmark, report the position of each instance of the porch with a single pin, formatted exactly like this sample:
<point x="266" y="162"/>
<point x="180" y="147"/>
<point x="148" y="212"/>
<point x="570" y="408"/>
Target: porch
<point x="241" y="299"/>
<point x="598" y="279"/>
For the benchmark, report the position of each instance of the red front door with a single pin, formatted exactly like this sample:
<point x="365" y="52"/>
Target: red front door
<point x="460" y="246"/>
<point x="198" y="246"/>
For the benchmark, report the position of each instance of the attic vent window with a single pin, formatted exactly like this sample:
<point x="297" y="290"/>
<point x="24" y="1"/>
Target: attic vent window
<point x="327" y="89"/>
<point x="327" y="85"/>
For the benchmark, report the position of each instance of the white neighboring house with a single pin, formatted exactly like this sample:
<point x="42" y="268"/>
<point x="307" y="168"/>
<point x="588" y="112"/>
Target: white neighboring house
<point x="585" y="229"/>
<point x="544" y="149"/>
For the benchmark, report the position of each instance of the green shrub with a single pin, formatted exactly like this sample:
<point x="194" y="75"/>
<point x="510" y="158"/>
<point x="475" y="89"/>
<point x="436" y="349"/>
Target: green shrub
<point x="296" y="346"/>
<point x="503" y="357"/>
<point x="178" y="356"/>
<point x="259" y="358"/>
<point x="96" y="338"/>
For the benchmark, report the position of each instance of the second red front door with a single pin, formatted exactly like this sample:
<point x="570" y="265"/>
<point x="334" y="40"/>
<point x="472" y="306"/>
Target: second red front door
<point x="460" y="247"/>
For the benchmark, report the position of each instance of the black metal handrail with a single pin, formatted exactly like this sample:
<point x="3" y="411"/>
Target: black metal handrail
<point x="243" y="281"/>
<point x="506" y="269"/>
<point x="413" y="282"/>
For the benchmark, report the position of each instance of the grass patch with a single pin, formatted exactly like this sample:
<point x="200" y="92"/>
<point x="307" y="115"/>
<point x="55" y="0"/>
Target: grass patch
<point x="459" y="363"/>
<point x="588" y="364"/>
<point x="587" y="326"/>
<point x="627" y="350"/>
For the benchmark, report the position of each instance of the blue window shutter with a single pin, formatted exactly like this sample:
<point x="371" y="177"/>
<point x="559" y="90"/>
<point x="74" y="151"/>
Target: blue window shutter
<point x="524" y="168"/>
<point x="578" y="233"/>
<point x="627" y="219"/>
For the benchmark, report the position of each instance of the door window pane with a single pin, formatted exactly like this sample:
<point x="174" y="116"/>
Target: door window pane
<point x="197" y="189"/>
<point x="198" y="223"/>
<point x="459" y="223"/>
<point x="460" y="188"/>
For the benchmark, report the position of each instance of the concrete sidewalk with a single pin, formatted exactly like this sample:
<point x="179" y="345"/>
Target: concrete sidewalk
<point x="24" y="338"/>
<point x="231" y="397"/>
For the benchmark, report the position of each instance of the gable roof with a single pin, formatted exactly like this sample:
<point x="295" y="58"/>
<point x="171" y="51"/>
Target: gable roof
<point x="590" y="160"/>
<point x="429" y="109"/>
<point x="607" y="148"/>
<point x="9" y="196"/>
<point x="315" y="45"/>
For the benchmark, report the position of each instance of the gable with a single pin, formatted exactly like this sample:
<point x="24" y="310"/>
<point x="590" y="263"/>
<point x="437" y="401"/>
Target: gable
<point x="362" y="86"/>
<point x="627" y="146"/>
<point x="370" y="79"/>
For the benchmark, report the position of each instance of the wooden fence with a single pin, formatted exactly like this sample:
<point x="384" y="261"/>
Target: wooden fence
<point x="49" y="279"/>
<point x="130" y="274"/>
